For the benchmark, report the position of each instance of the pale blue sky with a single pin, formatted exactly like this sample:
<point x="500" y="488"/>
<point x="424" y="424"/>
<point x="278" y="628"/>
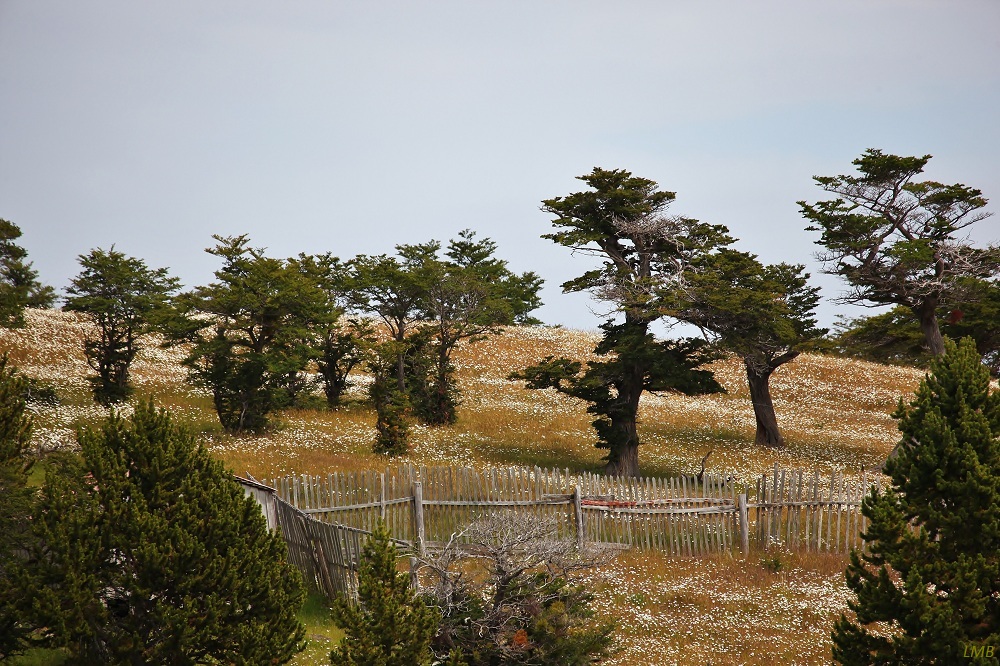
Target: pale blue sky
<point x="351" y="126"/>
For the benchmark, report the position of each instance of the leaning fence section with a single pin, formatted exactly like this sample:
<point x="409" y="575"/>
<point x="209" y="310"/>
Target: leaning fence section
<point x="327" y="554"/>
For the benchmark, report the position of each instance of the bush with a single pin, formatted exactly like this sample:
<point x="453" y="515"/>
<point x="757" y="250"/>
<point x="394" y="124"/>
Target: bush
<point x="40" y="392"/>
<point x="391" y="404"/>
<point x="512" y="595"/>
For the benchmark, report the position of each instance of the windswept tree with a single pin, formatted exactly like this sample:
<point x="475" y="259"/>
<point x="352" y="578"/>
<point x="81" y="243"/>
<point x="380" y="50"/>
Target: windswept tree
<point x="19" y="285"/>
<point x="927" y="586"/>
<point x="390" y="289"/>
<point x="763" y="314"/>
<point x="637" y="362"/>
<point x="645" y="254"/>
<point x="895" y="240"/>
<point x="123" y="297"/>
<point x="250" y="331"/>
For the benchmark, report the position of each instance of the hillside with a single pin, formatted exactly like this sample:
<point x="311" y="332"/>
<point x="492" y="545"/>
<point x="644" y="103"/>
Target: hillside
<point x="835" y="414"/>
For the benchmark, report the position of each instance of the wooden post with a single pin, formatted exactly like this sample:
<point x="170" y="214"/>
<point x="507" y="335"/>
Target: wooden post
<point x="581" y="535"/>
<point x="744" y="523"/>
<point x="418" y="515"/>
<point x="381" y="497"/>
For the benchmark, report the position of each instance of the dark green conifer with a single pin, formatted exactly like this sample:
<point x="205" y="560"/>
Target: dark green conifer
<point x="928" y="589"/>
<point x="153" y="554"/>
<point x="15" y="500"/>
<point x="390" y="626"/>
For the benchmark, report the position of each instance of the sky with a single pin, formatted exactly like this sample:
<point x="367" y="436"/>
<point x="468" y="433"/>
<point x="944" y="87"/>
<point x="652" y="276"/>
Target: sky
<point x="350" y="126"/>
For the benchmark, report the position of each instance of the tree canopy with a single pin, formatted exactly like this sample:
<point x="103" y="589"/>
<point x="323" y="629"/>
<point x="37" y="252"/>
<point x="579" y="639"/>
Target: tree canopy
<point x="338" y="341"/>
<point x="432" y="299"/>
<point x="895" y="240"/>
<point x="250" y="331"/>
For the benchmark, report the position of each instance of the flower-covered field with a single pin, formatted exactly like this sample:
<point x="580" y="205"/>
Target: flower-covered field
<point x="834" y="413"/>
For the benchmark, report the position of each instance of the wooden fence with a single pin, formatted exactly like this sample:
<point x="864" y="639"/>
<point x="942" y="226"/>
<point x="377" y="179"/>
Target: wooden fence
<point x="324" y="520"/>
<point x="326" y="554"/>
<point x="799" y="510"/>
<point x="685" y="515"/>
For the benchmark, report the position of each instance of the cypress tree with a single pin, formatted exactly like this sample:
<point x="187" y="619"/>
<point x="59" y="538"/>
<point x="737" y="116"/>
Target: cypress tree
<point x="928" y="589"/>
<point x="390" y="626"/>
<point x="153" y="554"/>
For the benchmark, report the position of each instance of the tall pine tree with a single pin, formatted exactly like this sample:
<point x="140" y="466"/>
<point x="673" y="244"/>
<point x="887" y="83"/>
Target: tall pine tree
<point x="928" y="589"/>
<point x="152" y="554"/>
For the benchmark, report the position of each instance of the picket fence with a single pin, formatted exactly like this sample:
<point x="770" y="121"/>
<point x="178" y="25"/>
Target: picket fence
<point x="324" y="518"/>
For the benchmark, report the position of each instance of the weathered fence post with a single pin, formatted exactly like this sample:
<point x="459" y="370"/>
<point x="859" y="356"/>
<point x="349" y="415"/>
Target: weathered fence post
<point x="744" y="523"/>
<point x="418" y="515"/>
<point x="381" y="496"/>
<point x="581" y="535"/>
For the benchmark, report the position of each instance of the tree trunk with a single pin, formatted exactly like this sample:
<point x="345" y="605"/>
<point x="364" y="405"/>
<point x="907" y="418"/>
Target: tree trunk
<point x="623" y="457"/>
<point x="763" y="408"/>
<point x="401" y="372"/>
<point x="623" y="460"/>
<point x="927" y="314"/>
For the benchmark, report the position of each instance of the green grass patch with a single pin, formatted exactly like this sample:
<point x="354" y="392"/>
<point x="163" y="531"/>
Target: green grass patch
<point x="321" y="633"/>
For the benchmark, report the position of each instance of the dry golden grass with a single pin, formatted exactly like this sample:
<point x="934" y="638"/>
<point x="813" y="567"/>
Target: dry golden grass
<point x="722" y="609"/>
<point x="835" y="414"/>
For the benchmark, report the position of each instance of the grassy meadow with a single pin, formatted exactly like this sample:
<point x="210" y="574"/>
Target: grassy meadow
<point x="724" y="609"/>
